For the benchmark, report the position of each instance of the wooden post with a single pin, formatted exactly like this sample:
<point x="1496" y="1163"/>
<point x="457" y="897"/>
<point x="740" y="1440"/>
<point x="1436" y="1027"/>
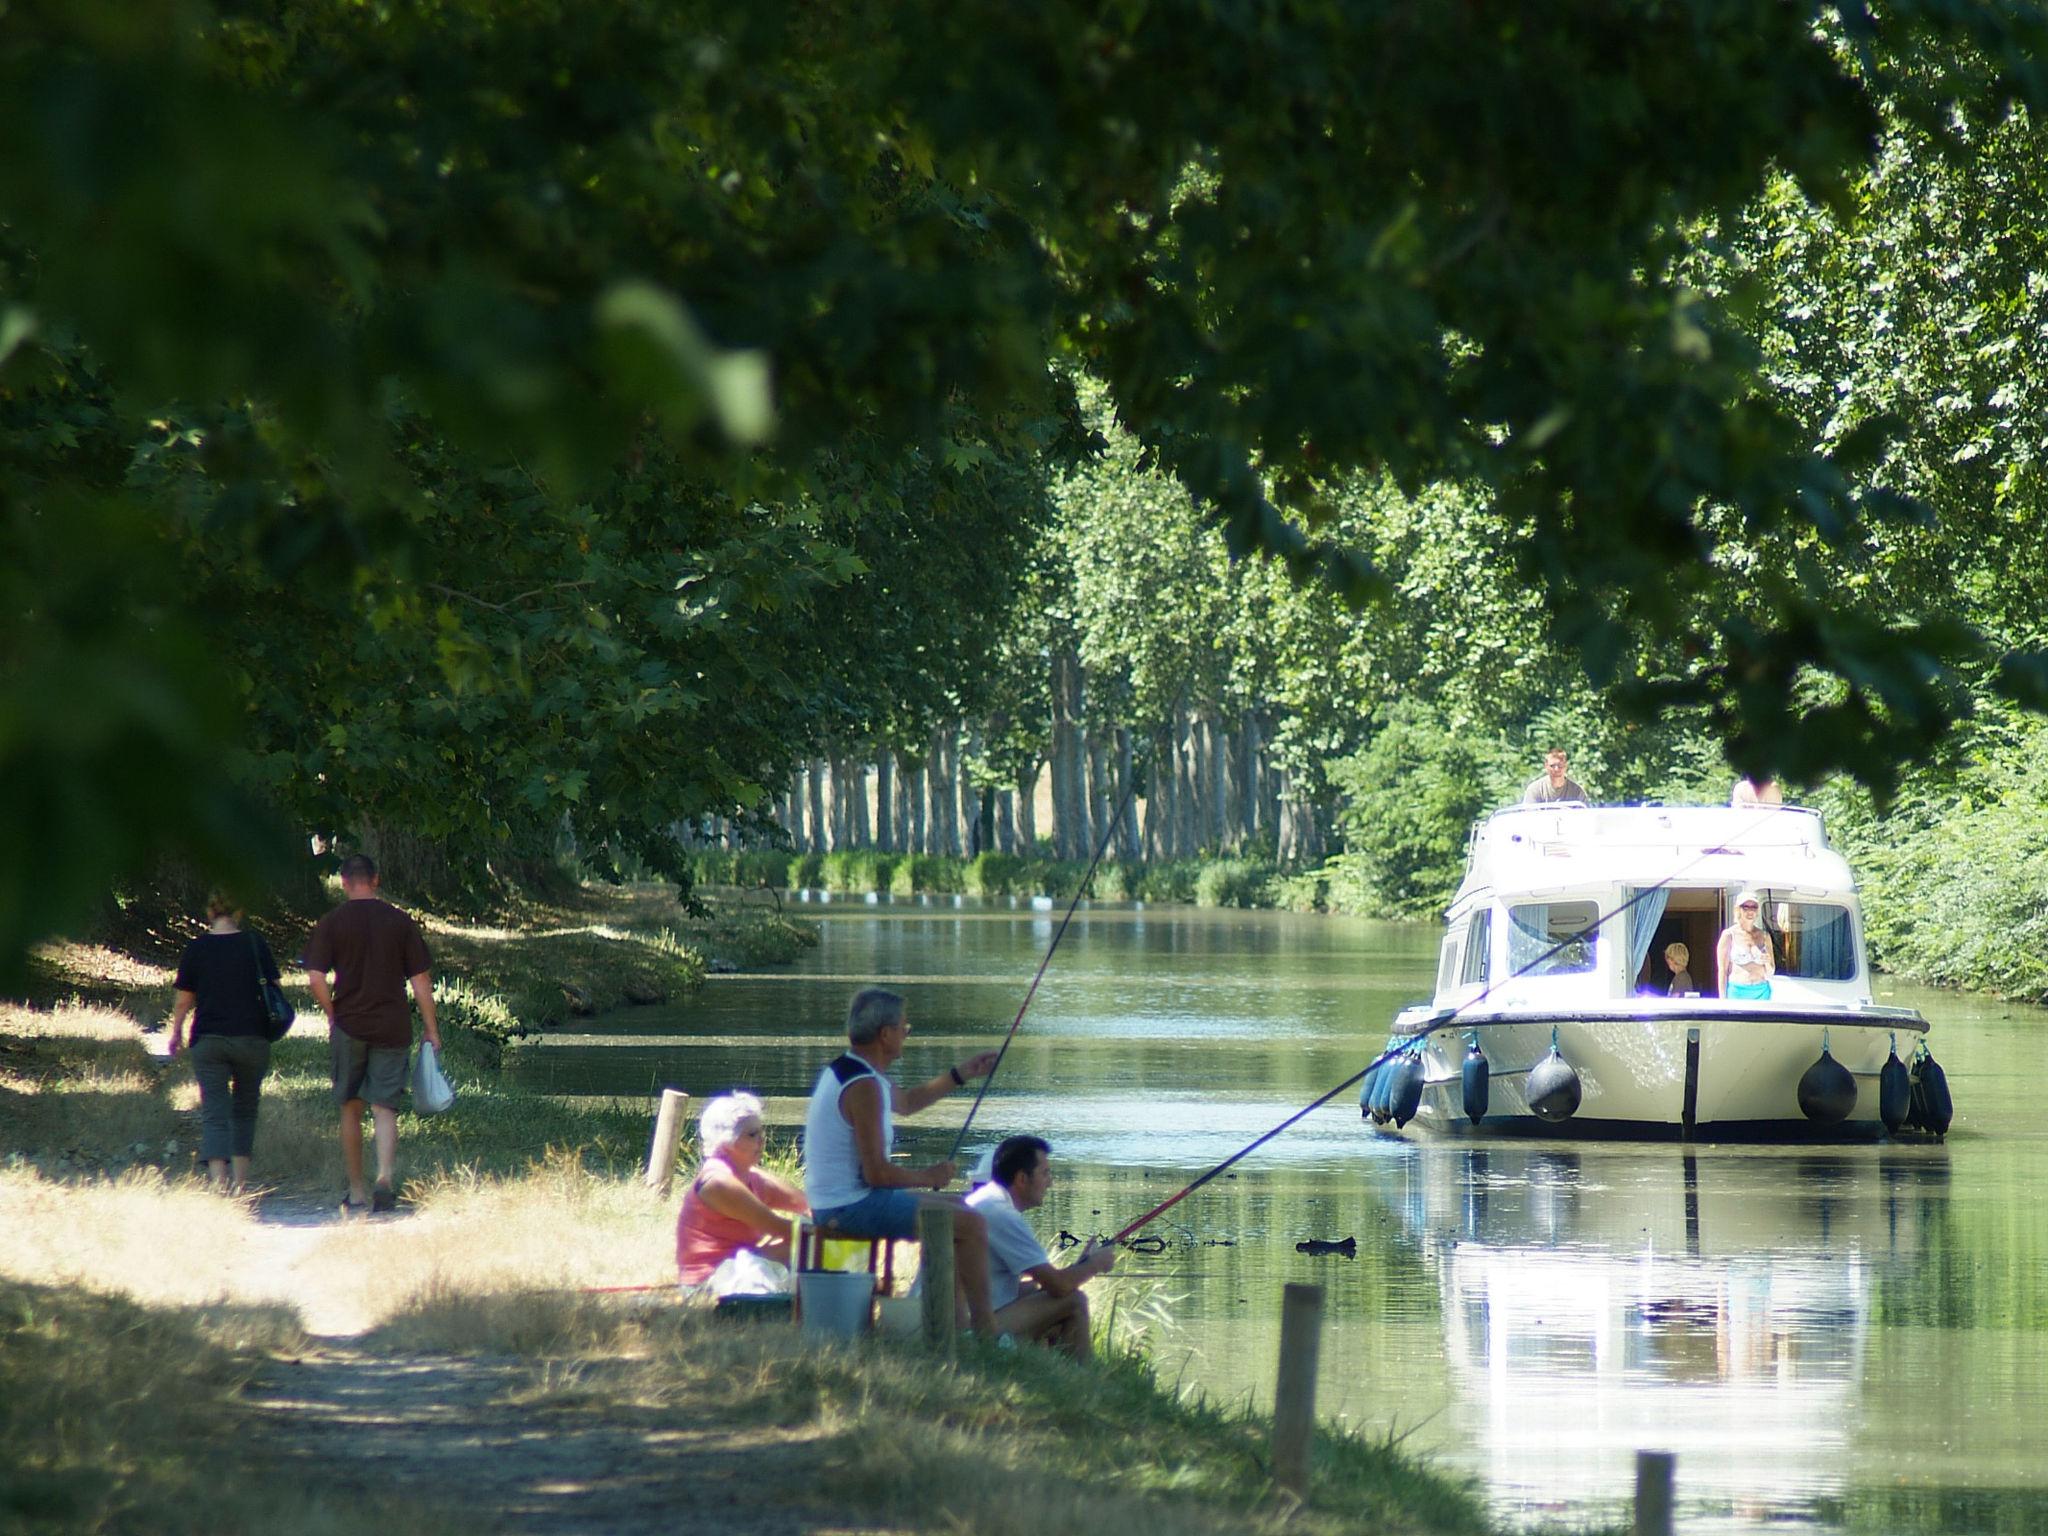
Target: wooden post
<point x="935" y="1240"/>
<point x="1294" y="1396"/>
<point x="668" y="1130"/>
<point x="1656" y="1472"/>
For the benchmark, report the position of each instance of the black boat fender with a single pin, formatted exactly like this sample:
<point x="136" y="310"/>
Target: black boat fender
<point x="1478" y="1080"/>
<point x="1382" y="1087"/>
<point x="1553" y="1087"/>
<point x="1365" y="1092"/>
<point x="1827" y="1090"/>
<point x="1894" y="1091"/>
<point x="1405" y="1095"/>
<point x="1937" y="1108"/>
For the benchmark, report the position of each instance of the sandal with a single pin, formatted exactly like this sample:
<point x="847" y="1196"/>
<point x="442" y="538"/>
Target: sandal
<point x="350" y="1206"/>
<point x="383" y="1198"/>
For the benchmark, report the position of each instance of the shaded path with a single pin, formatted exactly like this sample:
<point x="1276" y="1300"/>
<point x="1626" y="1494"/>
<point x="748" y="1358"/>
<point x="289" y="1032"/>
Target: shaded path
<point x="467" y="1435"/>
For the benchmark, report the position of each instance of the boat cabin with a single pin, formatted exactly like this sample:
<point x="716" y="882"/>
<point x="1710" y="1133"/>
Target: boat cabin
<point x="1575" y="906"/>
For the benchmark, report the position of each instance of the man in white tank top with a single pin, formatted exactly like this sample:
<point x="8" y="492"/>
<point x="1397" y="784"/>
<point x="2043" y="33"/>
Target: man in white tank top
<point x="849" y="1181"/>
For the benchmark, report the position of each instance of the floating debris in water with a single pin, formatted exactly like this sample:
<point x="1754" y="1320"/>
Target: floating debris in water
<point x="1348" y="1246"/>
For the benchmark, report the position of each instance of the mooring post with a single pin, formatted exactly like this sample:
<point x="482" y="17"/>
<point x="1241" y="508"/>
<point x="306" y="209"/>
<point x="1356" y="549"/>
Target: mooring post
<point x="668" y="1130"/>
<point x="935" y="1267"/>
<point x="1294" y="1395"/>
<point x="1655" y="1473"/>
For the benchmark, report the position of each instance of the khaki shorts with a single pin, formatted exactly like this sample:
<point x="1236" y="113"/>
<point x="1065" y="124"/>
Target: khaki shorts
<point x="372" y="1073"/>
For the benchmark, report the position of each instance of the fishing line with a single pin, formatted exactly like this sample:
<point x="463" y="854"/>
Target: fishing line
<point x="1080" y="890"/>
<point x="1395" y="1050"/>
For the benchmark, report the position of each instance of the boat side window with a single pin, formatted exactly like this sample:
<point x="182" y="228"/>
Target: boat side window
<point x="1537" y="928"/>
<point x="1813" y="939"/>
<point x="1478" y="967"/>
<point x="1447" y="961"/>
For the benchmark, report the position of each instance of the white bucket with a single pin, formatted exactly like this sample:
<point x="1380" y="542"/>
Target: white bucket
<point x="835" y="1304"/>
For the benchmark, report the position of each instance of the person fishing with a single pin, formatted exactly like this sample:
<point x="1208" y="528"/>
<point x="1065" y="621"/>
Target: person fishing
<point x="853" y="1188"/>
<point x="1034" y="1298"/>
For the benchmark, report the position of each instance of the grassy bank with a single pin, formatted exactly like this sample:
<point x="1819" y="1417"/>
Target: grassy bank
<point x="860" y="871"/>
<point x="81" y="1092"/>
<point x="137" y="1309"/>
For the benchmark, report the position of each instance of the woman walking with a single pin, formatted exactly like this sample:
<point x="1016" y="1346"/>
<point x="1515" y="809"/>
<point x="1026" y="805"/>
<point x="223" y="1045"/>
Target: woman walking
<point x="220" y="986"/>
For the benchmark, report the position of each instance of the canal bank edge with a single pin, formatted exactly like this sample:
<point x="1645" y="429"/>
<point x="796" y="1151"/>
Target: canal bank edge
<point x="99" y="1158"/>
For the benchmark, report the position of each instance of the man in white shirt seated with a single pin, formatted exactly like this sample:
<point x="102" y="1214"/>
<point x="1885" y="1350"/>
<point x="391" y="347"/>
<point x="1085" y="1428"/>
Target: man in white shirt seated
<point x="1033" y="1299"/>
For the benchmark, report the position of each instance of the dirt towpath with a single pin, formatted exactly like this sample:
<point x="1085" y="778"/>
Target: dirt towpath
<point x="505" y="1444"/>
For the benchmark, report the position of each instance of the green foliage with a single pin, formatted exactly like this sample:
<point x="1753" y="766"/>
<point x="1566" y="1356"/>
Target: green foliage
<point x="997" y="874"/>
<point x="1234" y="883"/>
<point x="1411" y="796"/>
<point x="750" y="867"/>
<point x="473" y="422"/>
<point x="918" y="874"/>
<point x="1955" y="876"/>
<point x="857" y="870"/>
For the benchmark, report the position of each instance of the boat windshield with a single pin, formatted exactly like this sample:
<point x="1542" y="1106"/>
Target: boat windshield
<point x="1553" y="938"/>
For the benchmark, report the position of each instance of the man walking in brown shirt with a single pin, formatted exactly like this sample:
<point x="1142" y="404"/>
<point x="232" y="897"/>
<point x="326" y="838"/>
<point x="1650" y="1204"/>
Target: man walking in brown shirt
<point x="374" y="951"/>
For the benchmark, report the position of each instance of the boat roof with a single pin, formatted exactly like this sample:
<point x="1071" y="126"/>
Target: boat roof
<point x="1552" y="849"/>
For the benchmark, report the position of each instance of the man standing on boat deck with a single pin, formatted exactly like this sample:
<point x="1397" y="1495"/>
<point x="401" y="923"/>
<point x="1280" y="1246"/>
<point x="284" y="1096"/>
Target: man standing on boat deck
<point x="1553" y="783"/>
<point x="1034" y="1298"/>
<point x="852" y="1186"/>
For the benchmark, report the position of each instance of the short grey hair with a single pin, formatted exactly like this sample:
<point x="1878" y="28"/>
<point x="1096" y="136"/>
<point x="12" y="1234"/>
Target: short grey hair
<point x="874" y="1009"/>
<point x="720" y="1123"/>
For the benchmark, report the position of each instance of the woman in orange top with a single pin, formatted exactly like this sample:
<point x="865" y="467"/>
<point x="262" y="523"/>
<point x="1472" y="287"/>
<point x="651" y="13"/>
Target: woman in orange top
<point x="732" y="1204"/>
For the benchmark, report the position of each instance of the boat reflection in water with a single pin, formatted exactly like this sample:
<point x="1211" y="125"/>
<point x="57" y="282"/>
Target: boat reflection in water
<point x="1714" y="1305"/>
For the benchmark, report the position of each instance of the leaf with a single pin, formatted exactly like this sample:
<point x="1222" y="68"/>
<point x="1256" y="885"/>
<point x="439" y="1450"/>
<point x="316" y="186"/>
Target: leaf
<point x="661" y="354"/>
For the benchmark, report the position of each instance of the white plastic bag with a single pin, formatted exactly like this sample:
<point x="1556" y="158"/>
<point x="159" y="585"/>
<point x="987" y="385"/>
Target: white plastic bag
<point x="431" y="1091"/>
<point x="746" y="1273"/>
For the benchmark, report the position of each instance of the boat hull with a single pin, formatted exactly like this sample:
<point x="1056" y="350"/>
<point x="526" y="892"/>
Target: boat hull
<point x="1722" y="1073"/>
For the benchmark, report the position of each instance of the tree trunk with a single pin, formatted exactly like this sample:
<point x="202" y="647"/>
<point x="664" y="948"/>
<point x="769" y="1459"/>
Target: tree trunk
<point x="1069" y="758"/>
<point x="943" y="814"/>
<point x="814" y="778"/>
<point x="1187" y="824"/>
<point x="1127" y="819"/>
<point x="1005" y="821"/>
<point x="1027" y="811"/>
<point x="914" y="824"/>
<point x="885" y="807"/>
<point x="973" y="801"/>
<point x="1101" y="800"/>
<point x="1216" y="831"/>
<point x="1252" y="745"/>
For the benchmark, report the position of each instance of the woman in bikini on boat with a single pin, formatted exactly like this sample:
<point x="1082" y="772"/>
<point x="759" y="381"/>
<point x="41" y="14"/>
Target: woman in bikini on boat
<point x="1746" y="960"/>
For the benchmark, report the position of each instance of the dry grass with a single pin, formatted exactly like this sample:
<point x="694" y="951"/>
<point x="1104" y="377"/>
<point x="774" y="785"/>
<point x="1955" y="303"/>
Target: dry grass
<point x="472" y="1241"/>
<point x="120" y="1419"/>
<point x="1001" y="1444"/>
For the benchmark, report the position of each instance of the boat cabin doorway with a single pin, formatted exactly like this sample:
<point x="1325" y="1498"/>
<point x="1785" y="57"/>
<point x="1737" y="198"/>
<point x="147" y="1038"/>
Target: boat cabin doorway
<point x="1693" y="917"/>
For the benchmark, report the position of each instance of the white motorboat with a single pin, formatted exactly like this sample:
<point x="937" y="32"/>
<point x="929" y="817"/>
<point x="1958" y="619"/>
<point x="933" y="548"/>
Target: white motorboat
<point x="1554" y="1010"/>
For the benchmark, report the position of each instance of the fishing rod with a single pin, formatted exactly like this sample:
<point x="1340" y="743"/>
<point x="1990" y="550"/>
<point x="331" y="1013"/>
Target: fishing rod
<point x="1080" y="890"/>
<point x="1392" y="1051"/>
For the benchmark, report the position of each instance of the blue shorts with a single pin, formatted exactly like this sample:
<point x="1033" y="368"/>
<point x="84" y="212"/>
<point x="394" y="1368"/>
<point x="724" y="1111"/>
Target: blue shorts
<point x="1749" y="991"/>
<point x="878" y="1213"/>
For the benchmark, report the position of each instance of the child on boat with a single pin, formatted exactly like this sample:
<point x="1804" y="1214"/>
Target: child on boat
<point x="1678" y="957"/>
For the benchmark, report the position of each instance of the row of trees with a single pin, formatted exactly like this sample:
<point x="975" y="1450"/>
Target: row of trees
<point x="435" y="426"/>
<point x="1254" y="716"/>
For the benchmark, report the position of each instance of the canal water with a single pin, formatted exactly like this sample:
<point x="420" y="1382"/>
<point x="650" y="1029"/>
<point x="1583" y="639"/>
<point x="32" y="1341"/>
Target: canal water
<point x="1849" y="1339"/>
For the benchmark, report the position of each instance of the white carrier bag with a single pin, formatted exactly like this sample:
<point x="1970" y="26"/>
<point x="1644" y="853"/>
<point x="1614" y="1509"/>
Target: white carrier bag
<point x="431" y="1091"/>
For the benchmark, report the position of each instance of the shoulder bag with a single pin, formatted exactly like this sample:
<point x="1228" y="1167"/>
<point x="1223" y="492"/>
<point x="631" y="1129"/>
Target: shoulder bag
<point x="278" y="1012"/>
